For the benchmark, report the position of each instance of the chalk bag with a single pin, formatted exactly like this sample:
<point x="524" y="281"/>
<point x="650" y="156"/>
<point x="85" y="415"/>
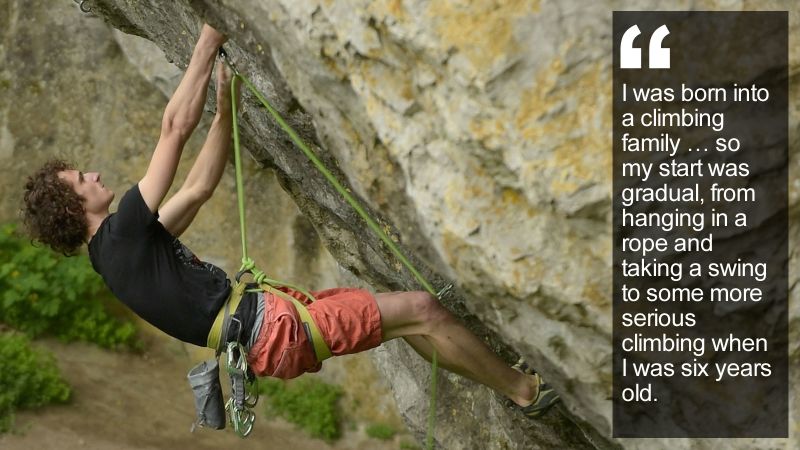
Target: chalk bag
<point x="208" y="401"/>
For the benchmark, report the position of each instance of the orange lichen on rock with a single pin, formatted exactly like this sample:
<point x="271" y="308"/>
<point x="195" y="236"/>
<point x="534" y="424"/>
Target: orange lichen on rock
<point x="572" y="120"/>
<point x="482" y="29"/>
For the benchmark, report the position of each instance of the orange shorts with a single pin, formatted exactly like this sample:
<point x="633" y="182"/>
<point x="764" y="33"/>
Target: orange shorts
<point x="348" y="319"/>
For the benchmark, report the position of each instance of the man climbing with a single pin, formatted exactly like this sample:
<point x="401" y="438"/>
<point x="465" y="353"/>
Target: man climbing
<point x="137" y="252"/>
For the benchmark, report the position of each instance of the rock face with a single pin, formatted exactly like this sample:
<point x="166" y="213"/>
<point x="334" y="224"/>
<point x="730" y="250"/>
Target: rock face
<point x="479" y="134"/>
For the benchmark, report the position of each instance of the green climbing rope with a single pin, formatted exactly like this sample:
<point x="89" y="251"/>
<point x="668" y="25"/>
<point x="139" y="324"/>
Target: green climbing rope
<point x="248" y="264"/>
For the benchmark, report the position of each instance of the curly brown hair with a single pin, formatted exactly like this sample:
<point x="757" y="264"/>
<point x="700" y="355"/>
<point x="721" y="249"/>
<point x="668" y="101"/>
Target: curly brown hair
<point x="53" y="212"/>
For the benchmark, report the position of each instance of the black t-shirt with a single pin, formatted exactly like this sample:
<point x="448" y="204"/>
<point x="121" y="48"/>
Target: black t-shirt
<point x="154" y="274"/>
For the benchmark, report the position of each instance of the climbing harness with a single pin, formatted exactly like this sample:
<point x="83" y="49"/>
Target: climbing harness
<point x="244" y="384"/>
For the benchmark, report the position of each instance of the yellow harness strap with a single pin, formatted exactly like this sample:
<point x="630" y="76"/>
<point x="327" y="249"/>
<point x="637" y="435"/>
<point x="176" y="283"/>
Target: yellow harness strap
<point x="320" y="347"/>
<point x="228" y="309"/>
<point x="214" y="340"/>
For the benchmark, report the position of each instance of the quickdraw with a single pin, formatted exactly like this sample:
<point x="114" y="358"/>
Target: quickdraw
<point x="244" y="391"/>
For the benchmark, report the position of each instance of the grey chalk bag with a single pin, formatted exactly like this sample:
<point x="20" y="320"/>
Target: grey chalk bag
<point x="208" y="402"/>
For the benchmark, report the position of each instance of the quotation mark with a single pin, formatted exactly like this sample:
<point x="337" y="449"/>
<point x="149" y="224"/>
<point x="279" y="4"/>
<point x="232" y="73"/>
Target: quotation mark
<point x="631" y="57"/>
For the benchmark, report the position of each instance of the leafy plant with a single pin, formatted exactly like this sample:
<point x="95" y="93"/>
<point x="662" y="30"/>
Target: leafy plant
<point x="404" y="445"/>
<point x="46" y="293"/>
<point x="307" y="402"/>
<point x="381" y="431"/>
<point x="29" y="378"/>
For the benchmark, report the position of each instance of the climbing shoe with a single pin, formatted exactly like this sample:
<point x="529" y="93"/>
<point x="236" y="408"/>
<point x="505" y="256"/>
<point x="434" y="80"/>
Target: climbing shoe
<point x="545" y="399"/>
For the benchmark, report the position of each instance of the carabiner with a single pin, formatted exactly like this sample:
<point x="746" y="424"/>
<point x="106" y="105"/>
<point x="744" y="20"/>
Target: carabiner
<point x="251" y="393"/>
<point x="224" y="55"/>
<point x="445" y="290"/>
<point x="242" y="273"/>
<point x="243" y="425"/>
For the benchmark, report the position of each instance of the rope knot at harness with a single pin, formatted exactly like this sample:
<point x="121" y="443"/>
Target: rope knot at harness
<point x="249" y="266"/>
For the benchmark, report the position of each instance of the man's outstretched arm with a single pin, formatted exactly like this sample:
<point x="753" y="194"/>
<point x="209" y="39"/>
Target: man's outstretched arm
<point x="180" y="210"/>
<point x="181" y="116"/>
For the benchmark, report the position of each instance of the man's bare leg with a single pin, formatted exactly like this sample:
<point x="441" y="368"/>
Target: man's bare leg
<point x="426" y="325"/>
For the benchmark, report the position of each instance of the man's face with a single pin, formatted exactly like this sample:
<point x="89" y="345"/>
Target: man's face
<point x="96" y="197"/>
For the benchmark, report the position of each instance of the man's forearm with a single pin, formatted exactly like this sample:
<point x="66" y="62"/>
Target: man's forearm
<point x="207" y="169"/>
<point x="185" y="108"/>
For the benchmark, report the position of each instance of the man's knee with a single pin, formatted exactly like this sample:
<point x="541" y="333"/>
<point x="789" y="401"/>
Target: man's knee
<point x="428" y="311"/>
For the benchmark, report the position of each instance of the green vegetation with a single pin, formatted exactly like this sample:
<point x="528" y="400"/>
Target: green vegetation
<point x="307" y="402"/>
<point x="381" y="431"/>
<point x="46" y="293"/>
<point x="404" y="445"/>
<point x="42" y="293"/>
<point x="29" y="378"/>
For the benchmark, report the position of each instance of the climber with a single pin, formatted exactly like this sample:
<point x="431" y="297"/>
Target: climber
<point x="138" y="253"/>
